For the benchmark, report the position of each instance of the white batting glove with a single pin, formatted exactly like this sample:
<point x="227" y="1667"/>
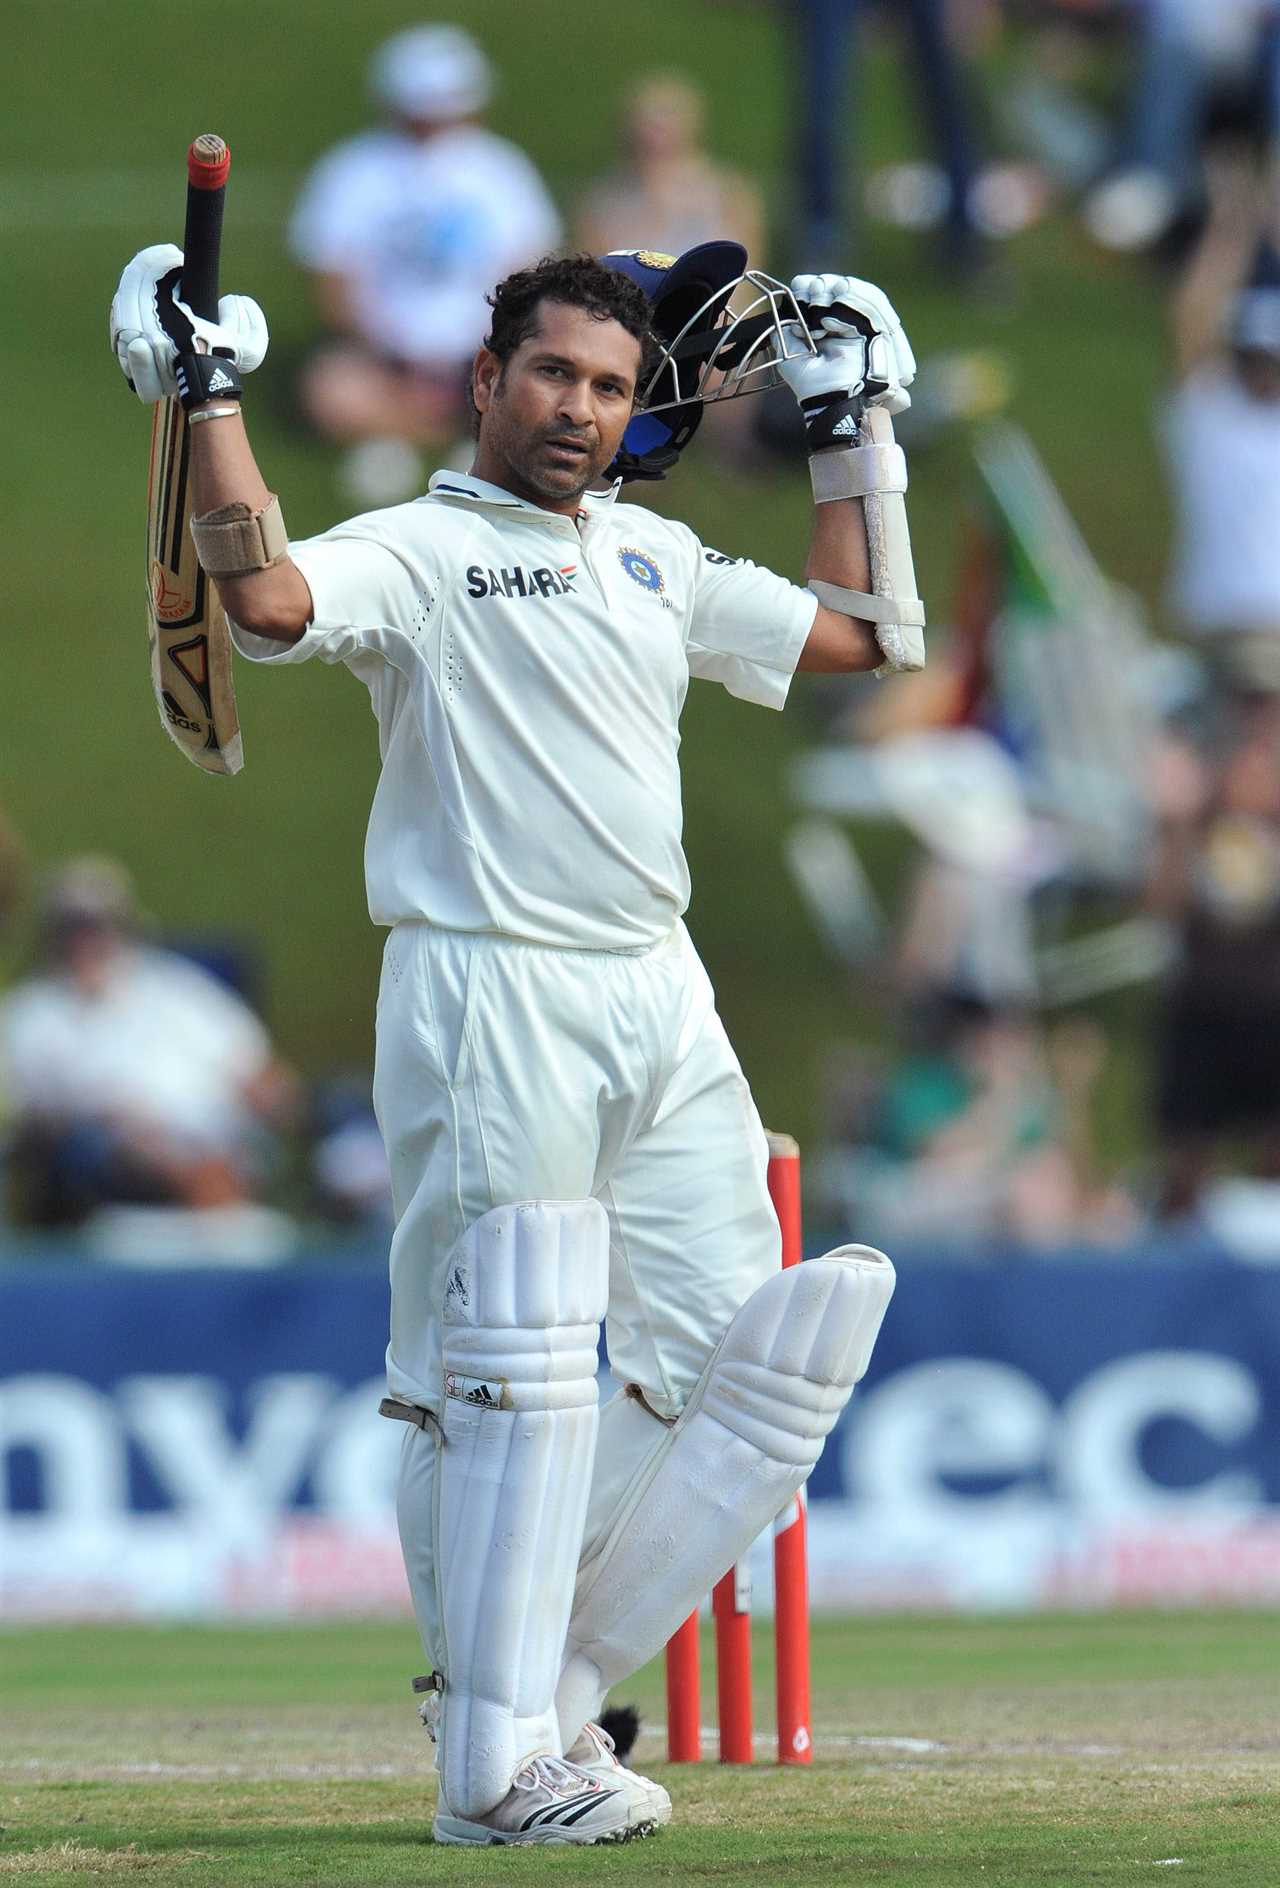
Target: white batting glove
<point x="863" y="356"/>
<point x="151" y="328"/>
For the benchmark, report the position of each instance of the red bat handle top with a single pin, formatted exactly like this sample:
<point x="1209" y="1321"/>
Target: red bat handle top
<point x="208" y="162"/>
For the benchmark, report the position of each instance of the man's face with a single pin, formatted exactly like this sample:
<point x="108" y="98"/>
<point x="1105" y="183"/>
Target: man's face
<point x="552" y="419"/>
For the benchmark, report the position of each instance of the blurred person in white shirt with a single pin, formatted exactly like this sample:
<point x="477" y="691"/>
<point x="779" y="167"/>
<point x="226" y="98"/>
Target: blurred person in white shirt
<point x="1221" y="432"/>
<point x="403" y="229"/>
<point x="129" y="1073"/>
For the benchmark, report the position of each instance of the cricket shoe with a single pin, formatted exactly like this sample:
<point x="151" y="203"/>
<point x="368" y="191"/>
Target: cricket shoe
<point x="552" y="1800"/>
<point x="594" y="1753"/>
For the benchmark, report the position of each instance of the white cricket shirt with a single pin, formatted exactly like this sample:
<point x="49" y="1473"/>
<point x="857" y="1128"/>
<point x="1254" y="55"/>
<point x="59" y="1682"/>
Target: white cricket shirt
<point x="527" y="673"/>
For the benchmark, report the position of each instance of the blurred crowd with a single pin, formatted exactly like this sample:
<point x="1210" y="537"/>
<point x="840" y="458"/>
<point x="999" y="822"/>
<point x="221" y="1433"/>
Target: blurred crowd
<point x="144" y="1103"/>
<point x="1090" y="802"/>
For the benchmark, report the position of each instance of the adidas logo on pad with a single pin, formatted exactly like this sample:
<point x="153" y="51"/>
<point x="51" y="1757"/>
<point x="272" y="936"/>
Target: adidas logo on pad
<point x="490" y="1394"/>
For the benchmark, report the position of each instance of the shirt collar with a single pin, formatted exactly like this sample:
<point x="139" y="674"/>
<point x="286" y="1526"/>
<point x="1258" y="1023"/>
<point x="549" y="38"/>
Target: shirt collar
<point x="481" y="492"/>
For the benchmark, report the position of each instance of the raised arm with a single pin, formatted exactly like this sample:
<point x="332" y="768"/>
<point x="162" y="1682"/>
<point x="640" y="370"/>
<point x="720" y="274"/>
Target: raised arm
<point x="230" y="499"/>
<point x="1217" y="268"/>
<point x="839" y="644"/>
<point x="164" y="349"/>
<point x="859" y="563"/>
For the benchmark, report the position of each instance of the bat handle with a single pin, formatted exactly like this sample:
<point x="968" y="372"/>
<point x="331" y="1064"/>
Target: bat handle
<point x="208" y="162"/>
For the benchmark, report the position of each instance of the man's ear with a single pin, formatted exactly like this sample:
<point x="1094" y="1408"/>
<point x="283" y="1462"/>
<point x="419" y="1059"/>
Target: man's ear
<point x="486" y="372"/>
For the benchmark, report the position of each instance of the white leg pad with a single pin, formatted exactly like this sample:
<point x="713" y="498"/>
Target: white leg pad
<point x="744" y="1445"/>
<point x="527" y="1287"/>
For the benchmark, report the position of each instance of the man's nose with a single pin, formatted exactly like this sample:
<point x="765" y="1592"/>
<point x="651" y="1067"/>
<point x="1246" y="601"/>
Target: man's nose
<point x="575" y="403"/>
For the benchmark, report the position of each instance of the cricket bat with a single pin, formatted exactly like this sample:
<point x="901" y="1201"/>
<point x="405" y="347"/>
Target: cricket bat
<point x="186" y="628"/>
<point x="893" y="572"/>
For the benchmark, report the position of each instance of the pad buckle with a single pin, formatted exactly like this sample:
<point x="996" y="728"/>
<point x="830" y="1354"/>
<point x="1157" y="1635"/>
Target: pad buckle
<point x="432" y="1683"/>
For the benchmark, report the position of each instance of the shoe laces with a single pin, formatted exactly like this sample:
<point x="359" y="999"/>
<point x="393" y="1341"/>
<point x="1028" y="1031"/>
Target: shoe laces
<point x="553" y="1773"/>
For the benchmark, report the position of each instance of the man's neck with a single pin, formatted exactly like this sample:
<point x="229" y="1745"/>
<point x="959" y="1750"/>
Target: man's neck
<point x="501" y="476"/>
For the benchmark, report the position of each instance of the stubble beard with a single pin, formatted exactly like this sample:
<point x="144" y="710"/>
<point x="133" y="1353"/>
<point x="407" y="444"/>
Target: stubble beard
<point x="527" y="479"/>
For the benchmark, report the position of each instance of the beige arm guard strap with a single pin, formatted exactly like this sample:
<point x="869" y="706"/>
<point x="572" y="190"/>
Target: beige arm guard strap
<point x="876" y="472"/>
<point x="235" y="541"/>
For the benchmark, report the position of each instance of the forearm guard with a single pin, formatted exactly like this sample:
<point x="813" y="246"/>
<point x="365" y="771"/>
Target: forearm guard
<point x="875" y="470"/>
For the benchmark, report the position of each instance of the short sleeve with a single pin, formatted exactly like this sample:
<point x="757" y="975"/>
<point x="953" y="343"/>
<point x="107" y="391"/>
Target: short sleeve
<point x="362" y="593"/>
<point x="748" y="627"/>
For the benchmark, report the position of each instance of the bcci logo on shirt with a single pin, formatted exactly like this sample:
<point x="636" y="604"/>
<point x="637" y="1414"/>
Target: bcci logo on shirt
<point x="641" y="568"/>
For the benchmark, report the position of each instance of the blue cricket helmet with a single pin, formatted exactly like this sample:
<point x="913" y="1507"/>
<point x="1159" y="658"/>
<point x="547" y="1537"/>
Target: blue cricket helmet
<point x="691" y="292"/>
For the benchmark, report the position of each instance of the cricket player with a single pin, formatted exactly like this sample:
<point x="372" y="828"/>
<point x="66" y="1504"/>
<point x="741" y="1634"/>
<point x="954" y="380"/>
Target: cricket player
<point x="570" y="1136"/>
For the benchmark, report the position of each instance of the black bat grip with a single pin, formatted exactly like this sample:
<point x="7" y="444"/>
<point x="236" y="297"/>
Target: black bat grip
<point x="208" y="162"/>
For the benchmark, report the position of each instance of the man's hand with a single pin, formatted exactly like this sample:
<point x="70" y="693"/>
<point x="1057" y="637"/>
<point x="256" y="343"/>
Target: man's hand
<point x="863" y="357"/>
<point x="164" y="349"/>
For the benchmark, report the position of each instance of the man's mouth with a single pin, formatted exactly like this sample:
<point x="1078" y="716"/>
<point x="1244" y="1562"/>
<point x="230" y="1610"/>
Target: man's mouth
<point x="568" y="448"/>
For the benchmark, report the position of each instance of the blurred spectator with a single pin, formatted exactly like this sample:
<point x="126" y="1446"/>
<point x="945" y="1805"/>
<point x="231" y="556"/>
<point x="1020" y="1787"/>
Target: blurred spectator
<point x="128" y="1074"/>
<point x="1216" y="876"/>
<point x="1201" y="65"/>
<point x="827" y="35"/>
<point x="1221" y="429"/>
<point x="668" y="193"/>
<point x="350" y="1177"/>
<point x="1216" y="788"/>
<point x="404" y="230"/>
<point x="1046" y="100"/>
<point x="979" y="1132"/>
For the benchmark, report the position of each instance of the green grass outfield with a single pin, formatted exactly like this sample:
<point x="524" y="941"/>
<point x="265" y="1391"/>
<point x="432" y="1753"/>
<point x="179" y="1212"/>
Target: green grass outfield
<point x="1048" y="1751"/>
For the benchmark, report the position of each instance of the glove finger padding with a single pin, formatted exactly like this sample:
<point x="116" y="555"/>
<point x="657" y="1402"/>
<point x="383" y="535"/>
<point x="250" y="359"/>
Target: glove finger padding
<point x="243" y="322"/>
<point x="150" y="325"/>
<point x="138" y="364"/>
<point x="839" y="366"/>
<point x="845" y="305"/>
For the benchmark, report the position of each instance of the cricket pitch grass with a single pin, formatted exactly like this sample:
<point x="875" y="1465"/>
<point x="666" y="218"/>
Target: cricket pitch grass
<point x="1047" y="1751"/>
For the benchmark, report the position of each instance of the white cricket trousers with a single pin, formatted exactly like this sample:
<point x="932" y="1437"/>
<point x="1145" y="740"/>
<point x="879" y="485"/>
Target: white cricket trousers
<point x="508" y="1071"/>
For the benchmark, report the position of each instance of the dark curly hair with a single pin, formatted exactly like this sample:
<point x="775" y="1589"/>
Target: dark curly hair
<point x="579" y="282"/>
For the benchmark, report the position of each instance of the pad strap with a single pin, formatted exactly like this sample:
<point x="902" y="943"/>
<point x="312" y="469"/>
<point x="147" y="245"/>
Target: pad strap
<point x="907" y="611"/>
<point x="401" y="1412"/>
<point x="235" y="541"/>
<point x="856" y="472"/>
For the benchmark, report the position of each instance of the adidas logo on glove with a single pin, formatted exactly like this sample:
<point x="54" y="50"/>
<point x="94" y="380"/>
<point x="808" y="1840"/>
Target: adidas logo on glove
<point x="847" y="428"/>
<point x="199" y="377"/>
